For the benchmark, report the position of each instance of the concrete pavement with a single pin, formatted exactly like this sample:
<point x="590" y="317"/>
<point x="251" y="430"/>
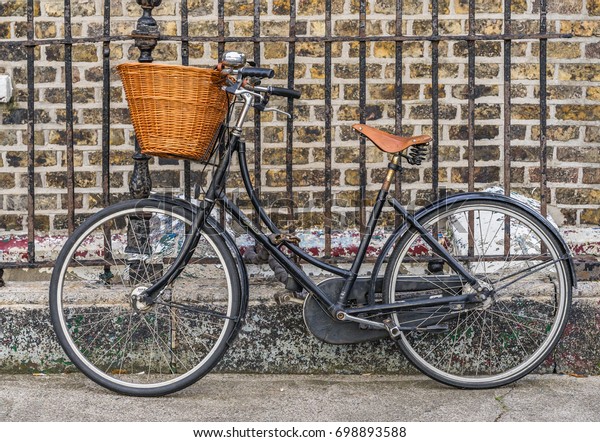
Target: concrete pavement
<point x="337" y="398"/>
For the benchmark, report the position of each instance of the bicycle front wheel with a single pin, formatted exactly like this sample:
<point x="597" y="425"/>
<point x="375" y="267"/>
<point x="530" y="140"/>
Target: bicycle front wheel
<point x="106" y="329"/>
<point x="517" y="258"/>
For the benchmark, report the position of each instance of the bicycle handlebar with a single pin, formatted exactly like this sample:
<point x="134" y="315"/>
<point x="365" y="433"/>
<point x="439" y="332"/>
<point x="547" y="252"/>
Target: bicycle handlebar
<point x="283" y="92"/>
<point x="279" y="91"/>
<point x="257" y="72"/>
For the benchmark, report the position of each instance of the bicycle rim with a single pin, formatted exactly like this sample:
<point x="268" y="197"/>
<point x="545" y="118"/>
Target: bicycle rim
<point x="110" y="334"/>
<point x="496" y="342"/>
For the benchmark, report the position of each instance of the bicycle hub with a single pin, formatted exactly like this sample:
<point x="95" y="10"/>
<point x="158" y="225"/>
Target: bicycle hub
<point x="137" y="300"/>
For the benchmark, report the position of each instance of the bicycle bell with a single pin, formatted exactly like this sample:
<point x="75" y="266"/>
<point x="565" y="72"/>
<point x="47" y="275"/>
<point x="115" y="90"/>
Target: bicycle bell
<point x="234" y="59"/>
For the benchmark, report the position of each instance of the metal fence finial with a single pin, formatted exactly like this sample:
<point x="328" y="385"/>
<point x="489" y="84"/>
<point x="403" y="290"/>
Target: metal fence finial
<point x="146" y="33"/>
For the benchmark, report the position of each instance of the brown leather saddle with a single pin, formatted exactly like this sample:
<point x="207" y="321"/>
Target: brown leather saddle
<point x="390" y="143"/>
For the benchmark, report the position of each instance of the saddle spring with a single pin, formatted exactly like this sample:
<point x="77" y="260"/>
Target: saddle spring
<point x="415" y="154"/>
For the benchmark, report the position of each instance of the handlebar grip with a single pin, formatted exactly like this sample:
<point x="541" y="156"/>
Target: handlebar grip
<point x="257" y="72"/>
<point x="283" y="92"/>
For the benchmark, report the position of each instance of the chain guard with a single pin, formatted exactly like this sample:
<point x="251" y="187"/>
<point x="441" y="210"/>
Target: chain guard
<point x="330" y="330"/>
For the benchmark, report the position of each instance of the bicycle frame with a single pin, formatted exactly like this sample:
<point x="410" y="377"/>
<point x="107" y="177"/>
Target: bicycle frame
<point x="350" y="275"/>
<point x="336" y="308"/>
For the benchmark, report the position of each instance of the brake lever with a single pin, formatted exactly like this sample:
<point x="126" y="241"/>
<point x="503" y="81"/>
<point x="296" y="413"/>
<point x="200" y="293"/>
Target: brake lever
<point x="232" y="88"/>
<point x="274" y="109"/>
<point x="237" y="90"/>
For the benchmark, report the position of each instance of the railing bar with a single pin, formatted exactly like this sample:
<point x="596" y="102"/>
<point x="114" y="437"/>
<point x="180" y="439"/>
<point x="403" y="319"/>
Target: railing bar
<point x="362" y="102"/>
<point x="185" y="43"/>
<point x="220" y="30"/>
<point x="106" y="96"/>
<point x="332" y="260"/>
<point x="30" y="135"/>
<point x="185" y="61"/>
<point x="106" y="108"/>
<point x="367" y="38"/>
<point x="257" y="124"/>
<point x="507" y="96"/>
<point x="471" y="97"/>
<point x="471" y="121"/>
<point x="507" y="116"/>
<point x="328" y="132"/>
<point x="220" y="52"/>
<point x="543" y="112"/>
<point x="69" y="119"/>
<point x="398" y="104"/>
<point x="435" y="100"/>
<point x="290" y="121"/>
<point x="333" y="39"/>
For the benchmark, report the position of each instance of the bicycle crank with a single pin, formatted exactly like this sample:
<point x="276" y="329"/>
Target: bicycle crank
<point x="290" y="297"/>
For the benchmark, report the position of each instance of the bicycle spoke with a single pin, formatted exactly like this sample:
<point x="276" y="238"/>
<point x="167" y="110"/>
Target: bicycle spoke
<point x="521" y="277"/>
<point x="117" y="342"/>
<point x="194" y="309"/>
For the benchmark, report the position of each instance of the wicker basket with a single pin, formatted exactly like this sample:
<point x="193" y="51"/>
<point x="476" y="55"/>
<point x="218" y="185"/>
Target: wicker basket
<point x="176" y="110"/>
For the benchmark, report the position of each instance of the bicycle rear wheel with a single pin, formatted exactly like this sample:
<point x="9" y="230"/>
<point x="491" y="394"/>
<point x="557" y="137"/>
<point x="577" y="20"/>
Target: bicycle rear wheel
<point x="110" y="334"/>
<point x="511" y="253"/>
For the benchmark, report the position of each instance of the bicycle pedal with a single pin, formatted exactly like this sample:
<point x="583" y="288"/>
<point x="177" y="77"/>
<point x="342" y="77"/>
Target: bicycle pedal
<point x="280" y="298"/>
<point x="289" y="298"/>
<point x="434" y="328"/>
<point x="294" y="300"/>
<point x="284" y="298"/>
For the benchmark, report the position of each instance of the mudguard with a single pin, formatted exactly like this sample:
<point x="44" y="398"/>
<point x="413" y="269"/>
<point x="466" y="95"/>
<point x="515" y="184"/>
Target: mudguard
<point x="457" y="198"/>
<point x="235" y="252"/>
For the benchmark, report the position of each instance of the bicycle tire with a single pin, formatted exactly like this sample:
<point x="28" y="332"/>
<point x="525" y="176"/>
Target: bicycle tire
<point x="498" y="342"/>
<point x="121" y="343"/>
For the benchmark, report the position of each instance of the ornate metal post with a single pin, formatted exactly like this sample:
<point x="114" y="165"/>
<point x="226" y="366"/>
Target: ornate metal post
<point x="146" y="37"/>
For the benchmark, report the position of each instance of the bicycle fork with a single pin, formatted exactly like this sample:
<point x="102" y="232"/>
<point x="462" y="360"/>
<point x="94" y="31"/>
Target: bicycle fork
<point x="214" y="192"/>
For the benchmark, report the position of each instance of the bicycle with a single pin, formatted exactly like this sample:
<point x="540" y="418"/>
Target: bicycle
<point x="147" y="295"/>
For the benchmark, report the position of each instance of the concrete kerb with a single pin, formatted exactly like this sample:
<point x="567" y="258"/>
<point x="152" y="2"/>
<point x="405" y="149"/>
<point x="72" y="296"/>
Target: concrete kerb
<point x="274" y="338"/>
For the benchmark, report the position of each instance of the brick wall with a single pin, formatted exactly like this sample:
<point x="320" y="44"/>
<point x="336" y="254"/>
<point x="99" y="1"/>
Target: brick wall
<point x="573" y="103"/>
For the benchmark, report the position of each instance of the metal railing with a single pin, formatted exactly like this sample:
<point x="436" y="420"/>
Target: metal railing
<point x="147" y="35"/>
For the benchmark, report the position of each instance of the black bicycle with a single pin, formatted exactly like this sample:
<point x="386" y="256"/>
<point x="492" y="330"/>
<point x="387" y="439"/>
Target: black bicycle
<point x="147" y="295"/>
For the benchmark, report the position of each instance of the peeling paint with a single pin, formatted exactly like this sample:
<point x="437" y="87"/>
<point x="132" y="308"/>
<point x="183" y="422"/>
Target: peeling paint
<point x="582" y="241"/>
<point x="344" y="244"/>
